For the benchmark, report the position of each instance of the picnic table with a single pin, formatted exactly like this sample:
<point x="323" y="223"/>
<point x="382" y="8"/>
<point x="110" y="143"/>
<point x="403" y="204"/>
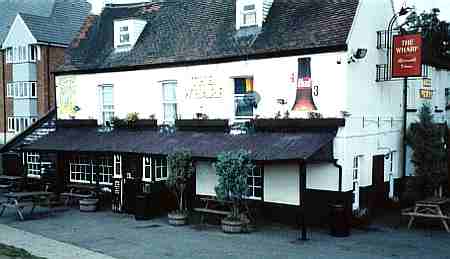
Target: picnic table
<point x="429" y="208"/>
<point x="77" y="192"/>
<point x="20" y="200"/>
<point x="8" y="182"/>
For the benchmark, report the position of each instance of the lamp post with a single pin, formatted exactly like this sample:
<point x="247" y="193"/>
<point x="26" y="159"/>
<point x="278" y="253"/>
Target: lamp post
<point x="403" y="11"/>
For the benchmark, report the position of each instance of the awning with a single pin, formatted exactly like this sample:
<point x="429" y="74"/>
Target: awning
<point x="312" y="146"/>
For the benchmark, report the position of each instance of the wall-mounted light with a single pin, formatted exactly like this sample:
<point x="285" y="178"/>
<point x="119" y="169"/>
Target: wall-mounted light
<point x="360" y="53"/>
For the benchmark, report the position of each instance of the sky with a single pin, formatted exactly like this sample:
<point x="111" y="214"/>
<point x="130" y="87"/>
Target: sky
<point x="443" y="5"/>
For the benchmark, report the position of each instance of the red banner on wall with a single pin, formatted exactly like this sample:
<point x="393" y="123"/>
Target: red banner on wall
<point x="407" y="56"/>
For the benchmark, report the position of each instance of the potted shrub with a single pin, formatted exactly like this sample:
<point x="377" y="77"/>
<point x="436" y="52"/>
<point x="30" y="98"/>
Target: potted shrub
<point x="181" y="170"/>
<point x="232" y="169"/>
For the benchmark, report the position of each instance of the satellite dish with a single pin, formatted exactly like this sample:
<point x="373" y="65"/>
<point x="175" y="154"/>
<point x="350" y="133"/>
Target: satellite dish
<point x="256" y="96"/>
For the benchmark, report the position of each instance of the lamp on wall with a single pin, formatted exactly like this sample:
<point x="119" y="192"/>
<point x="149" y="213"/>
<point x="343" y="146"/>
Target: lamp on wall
<point x="359" y="54"/>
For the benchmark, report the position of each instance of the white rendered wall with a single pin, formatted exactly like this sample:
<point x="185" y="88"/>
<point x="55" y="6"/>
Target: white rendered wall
<point x="324" y="176"/>
<point x="141" y="91"/>
<point x="205" y="178"/>
<point x="374" y="123"/>
<point x="282" y="184"/>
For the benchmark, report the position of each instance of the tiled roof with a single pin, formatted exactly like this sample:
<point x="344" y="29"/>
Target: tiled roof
<point x="52" y="21"/>
<point x="263" y="146"/>
<point x="193" y="30"/>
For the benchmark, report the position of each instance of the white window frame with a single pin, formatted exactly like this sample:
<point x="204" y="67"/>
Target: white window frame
<point x="356" y="175"/>
<point x="80" y="167"/>
<point x="146" y="164"/>
<point x="168" y="101"/>
<point x="164" y="163"/>
<point x="252" y="186"/>
<point x="106" y="109"/>
<point x="9" y="89"/>
<point x="124" y="34"/>
<point x="34" y="168"/>
<point x="11" y="124"/>
<point x="248" y="13"/>
<point x="87" y="170"/>
<point x="237" y="97"/>
<point x="9" y="56"/>
<point x="151" y="163"/>
<point x="104" y="169"/>
<point x="18" y="124"/>
<point x="33" y="50"/>
<point x="391" y="174"/>
<point x="117" y="166"/>
<point x="22" y="89"/>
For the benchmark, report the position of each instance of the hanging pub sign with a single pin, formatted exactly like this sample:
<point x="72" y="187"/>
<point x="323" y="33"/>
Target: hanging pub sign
<point x="407" y="56"/>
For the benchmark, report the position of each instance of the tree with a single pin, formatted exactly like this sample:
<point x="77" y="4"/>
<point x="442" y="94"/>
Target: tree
<point x="427" y="139"/>
<point x="426" y="23"/>
<point x="232" y="169"/>
<point x="434" y="31"/>
<point x="181" y="171"/>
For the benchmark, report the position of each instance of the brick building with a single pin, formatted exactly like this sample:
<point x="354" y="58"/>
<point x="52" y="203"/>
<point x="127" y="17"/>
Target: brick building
<point x="33" y="37"/>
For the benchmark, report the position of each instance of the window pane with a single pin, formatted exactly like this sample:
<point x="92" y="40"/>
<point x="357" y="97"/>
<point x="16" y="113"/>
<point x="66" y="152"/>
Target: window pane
<point x="32" y="52"/>
<point x="125" y="38"/>
<point x="243" y="107"/>
<point x="239" y="86"/>
<point x="147" y="172"/>
<point x="250" y="18"/>
<point x="169" y="91"/>
<point x="258" y="192"/>
<point x="33" y="89"/>
<point x="107" y="95"/>
<point x="164" y="171"/>
<point x="170" y="112"/>
<point x="258" y="181"/>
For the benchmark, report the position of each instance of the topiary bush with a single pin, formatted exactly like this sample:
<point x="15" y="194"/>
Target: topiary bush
<point x="181" y="171"/>
<point x="232" y="169"/>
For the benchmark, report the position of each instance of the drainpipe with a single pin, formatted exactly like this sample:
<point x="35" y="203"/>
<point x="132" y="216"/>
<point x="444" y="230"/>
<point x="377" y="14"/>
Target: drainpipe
<point x="335" y="163"/>
<point x="4" y="96"/>
<point x="48" y="79"/>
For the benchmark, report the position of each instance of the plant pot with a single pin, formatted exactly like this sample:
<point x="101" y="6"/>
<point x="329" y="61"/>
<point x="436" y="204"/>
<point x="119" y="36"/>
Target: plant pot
<point x="177" y="219"/>
<point x="232" y="226"/>
<point x="88" y="205"/>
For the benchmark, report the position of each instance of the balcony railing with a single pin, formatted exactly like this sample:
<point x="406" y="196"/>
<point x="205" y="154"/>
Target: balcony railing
<point x="384" y="72"/>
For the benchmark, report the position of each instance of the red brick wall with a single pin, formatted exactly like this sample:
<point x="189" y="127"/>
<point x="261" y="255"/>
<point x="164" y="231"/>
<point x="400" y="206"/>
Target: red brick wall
<point x="6" y="71"/>
<point x="51" y="59"/>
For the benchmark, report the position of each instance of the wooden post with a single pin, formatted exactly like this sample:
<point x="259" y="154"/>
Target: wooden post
<point x="302" y="176"/>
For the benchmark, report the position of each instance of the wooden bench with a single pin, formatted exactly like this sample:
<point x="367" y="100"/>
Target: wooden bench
<point x="211" y="211"/>
<point x="208" y="210"/>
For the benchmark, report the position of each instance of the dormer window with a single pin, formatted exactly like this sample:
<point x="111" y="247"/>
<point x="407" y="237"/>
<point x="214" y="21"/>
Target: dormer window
<point x="124" y="35"/>
<point x="249" y="15"/>
<point x="127" y="32"/>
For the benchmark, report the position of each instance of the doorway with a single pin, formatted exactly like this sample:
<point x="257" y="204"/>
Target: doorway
<point x="379" y="193"/>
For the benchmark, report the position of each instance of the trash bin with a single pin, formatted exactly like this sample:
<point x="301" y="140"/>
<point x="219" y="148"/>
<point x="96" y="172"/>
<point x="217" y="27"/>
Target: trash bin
<point x="339" y="221"/>
<point x="142" y="209"/>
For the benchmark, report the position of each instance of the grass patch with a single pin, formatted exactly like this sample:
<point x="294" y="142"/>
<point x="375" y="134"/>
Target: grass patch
<point x="13" y="252"/>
